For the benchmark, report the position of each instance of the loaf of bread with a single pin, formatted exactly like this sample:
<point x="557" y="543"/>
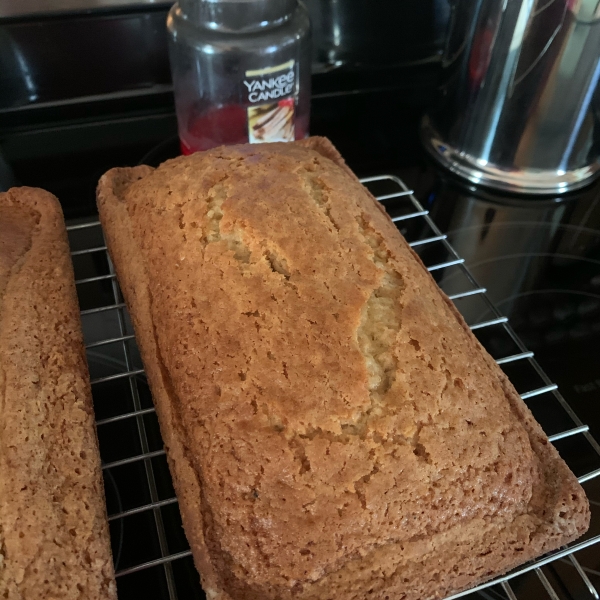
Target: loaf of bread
<point x="54" y="542"/>
<point x="333" y="428"/>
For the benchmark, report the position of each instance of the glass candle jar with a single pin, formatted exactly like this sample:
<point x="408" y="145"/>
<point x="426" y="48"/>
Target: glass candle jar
<point x="241" y="71"/>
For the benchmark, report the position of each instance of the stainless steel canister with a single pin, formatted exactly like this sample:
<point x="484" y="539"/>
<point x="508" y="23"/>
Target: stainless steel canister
<point x="520" y="108"/>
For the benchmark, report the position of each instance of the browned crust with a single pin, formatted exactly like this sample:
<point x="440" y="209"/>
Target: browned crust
<point x="54" y="540"/>
<point x="135" y="285"/>
<point x="565" y="510"/>
<point x="568" y="493"/>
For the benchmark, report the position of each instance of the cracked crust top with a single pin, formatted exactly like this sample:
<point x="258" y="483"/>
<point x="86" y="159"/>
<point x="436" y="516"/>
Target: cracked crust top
<point x="344" y="431"/>
<point x="54" y="542"/>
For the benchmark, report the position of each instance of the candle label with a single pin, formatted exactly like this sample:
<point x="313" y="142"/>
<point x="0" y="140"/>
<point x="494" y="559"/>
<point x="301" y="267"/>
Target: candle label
<point x="271" y="96"/>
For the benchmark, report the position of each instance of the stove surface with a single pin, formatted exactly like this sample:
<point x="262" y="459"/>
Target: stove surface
<point x="539" y="259"/>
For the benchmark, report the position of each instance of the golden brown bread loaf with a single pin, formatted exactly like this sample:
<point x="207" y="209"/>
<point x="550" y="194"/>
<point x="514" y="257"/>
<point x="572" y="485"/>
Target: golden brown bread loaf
<point x="333" y="428"/>
<point x="54" y="542"/>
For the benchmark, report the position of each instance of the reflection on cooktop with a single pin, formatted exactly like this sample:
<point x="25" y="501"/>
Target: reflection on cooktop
<point x="540" y="262"/>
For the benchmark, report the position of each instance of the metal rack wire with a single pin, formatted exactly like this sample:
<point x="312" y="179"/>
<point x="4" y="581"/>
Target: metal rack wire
<point x="136" y="476"/>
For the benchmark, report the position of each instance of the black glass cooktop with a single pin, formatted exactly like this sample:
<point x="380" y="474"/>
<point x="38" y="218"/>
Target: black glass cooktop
<point x="539" y="259"/>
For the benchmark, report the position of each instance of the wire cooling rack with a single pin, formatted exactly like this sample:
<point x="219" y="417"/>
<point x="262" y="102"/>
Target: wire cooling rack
<point x="150" y="550"/>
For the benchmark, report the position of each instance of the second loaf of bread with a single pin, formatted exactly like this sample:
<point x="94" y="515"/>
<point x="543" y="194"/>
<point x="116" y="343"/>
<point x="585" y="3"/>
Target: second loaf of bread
<point x="54" y="538"/>
<point x="333" y="428"/>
